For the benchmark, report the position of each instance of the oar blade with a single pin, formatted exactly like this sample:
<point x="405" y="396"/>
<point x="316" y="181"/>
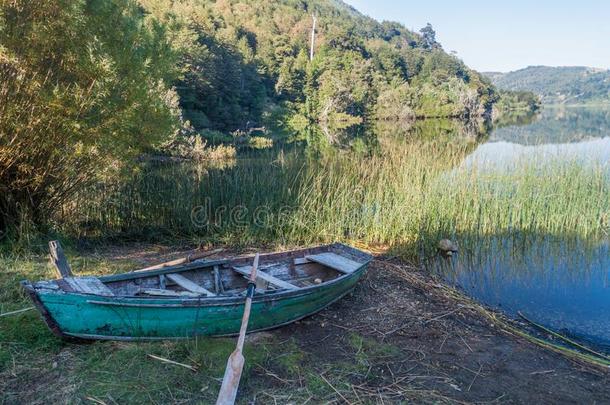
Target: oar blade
<point x="230" y="382"/>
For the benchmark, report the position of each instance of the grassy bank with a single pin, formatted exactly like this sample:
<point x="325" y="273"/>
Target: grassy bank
<point x="37" y="367"/>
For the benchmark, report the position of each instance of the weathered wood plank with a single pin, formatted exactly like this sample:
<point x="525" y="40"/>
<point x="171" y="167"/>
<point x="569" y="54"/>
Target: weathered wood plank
<point x="168" y="293"/>
<point x="58" y="258"/>
<point x="89" y="285"/>
<point x="189" y="285"/>
<point x="218" y="287"/>
<point x="19" y="311"/>
<point x="335" y="261"/>
<point x="188" y="259"/>
<point x="301" y="260"/>
<point x="245" y="270"/>
<point x="166" y="270"/>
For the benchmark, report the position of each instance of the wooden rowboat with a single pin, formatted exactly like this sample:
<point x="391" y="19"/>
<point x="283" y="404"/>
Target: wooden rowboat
<point x="203" y="297"/>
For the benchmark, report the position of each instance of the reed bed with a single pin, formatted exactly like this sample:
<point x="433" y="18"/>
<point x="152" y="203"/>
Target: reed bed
<point x="420" y="193"/>
<point x="406" y="194"/>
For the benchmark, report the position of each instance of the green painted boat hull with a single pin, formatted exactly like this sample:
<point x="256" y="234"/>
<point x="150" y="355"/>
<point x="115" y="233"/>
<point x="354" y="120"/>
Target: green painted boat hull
<point x="86" y="316"/>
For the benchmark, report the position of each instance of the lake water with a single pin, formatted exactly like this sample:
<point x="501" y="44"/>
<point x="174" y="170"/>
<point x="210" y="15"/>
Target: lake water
<point x="569" y="133"/>
<point x="563" y="284"/>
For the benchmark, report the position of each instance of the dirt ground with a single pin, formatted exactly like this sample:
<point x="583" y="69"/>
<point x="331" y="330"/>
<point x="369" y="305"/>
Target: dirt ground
<point x="448" y="350"/>
<point x="452" y="350"/>
<point x="400" y="336"/>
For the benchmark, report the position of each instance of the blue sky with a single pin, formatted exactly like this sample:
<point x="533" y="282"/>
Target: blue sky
<point x="507" y="35"/>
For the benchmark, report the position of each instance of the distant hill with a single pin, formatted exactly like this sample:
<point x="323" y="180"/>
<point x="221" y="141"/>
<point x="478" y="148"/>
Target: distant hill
<point x="558" y="85"/>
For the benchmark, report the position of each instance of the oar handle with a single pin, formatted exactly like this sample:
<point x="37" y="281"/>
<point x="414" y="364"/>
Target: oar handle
<point x="249" y="295"/>
<point x="254" y="269"/>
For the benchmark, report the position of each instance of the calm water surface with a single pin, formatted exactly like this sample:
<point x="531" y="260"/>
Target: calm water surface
<point x="570" y="133"/>
<point x="562" y="284"/>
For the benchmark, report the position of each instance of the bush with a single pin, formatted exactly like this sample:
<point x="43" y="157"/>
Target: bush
<point x="394" y="103"/>
<point x="82" y="91"/>
<point x="260" y="142"/>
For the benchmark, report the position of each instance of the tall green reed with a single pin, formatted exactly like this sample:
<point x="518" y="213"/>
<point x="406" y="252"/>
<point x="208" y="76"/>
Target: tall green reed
<point x="406" y="193"/>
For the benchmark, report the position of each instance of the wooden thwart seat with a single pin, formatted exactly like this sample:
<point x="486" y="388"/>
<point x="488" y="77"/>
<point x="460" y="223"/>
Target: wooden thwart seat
<point x="189" y="285"/>
<point x="245" y="270"/>
<point x="335" y="261"/>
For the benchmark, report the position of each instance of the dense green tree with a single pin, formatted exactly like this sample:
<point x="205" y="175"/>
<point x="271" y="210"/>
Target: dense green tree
<point x="429" y="37"/>
<point x="292" y="77"/>
<point x="83" y="88"/>
<point x="221" y="86"/>
<point x="388" y="60"/>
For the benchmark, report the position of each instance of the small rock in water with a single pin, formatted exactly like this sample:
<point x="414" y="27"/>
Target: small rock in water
<point x="448" y="247"/>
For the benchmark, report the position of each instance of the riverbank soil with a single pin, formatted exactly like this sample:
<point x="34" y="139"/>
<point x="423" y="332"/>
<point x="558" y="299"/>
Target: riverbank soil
<point x="400" y="336"/>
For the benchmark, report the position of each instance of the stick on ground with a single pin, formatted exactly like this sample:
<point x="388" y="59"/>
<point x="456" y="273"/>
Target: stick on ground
<point x="16" y="312"/>
<point x="175" y="363"/>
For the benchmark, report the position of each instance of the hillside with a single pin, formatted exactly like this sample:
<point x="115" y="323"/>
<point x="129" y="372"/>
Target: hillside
<point x="244" y="61"/>
<point x="558" y="85"/>
<point x="86" y="87"/>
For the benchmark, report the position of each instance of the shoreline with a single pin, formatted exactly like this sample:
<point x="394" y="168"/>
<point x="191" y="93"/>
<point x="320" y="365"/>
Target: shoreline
<point x="401" y="335"/>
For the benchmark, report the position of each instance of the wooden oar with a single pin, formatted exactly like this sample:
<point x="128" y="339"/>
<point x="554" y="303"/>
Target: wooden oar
<point x="190" y="258"/>
<point x="235" y="365"/>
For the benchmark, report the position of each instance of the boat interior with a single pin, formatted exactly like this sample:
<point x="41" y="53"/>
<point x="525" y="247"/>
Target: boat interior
<point x="225" y="277"/>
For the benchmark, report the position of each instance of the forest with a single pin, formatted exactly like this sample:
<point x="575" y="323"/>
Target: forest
<point x="243" y="62"/>
<point x="87" y="86"/>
